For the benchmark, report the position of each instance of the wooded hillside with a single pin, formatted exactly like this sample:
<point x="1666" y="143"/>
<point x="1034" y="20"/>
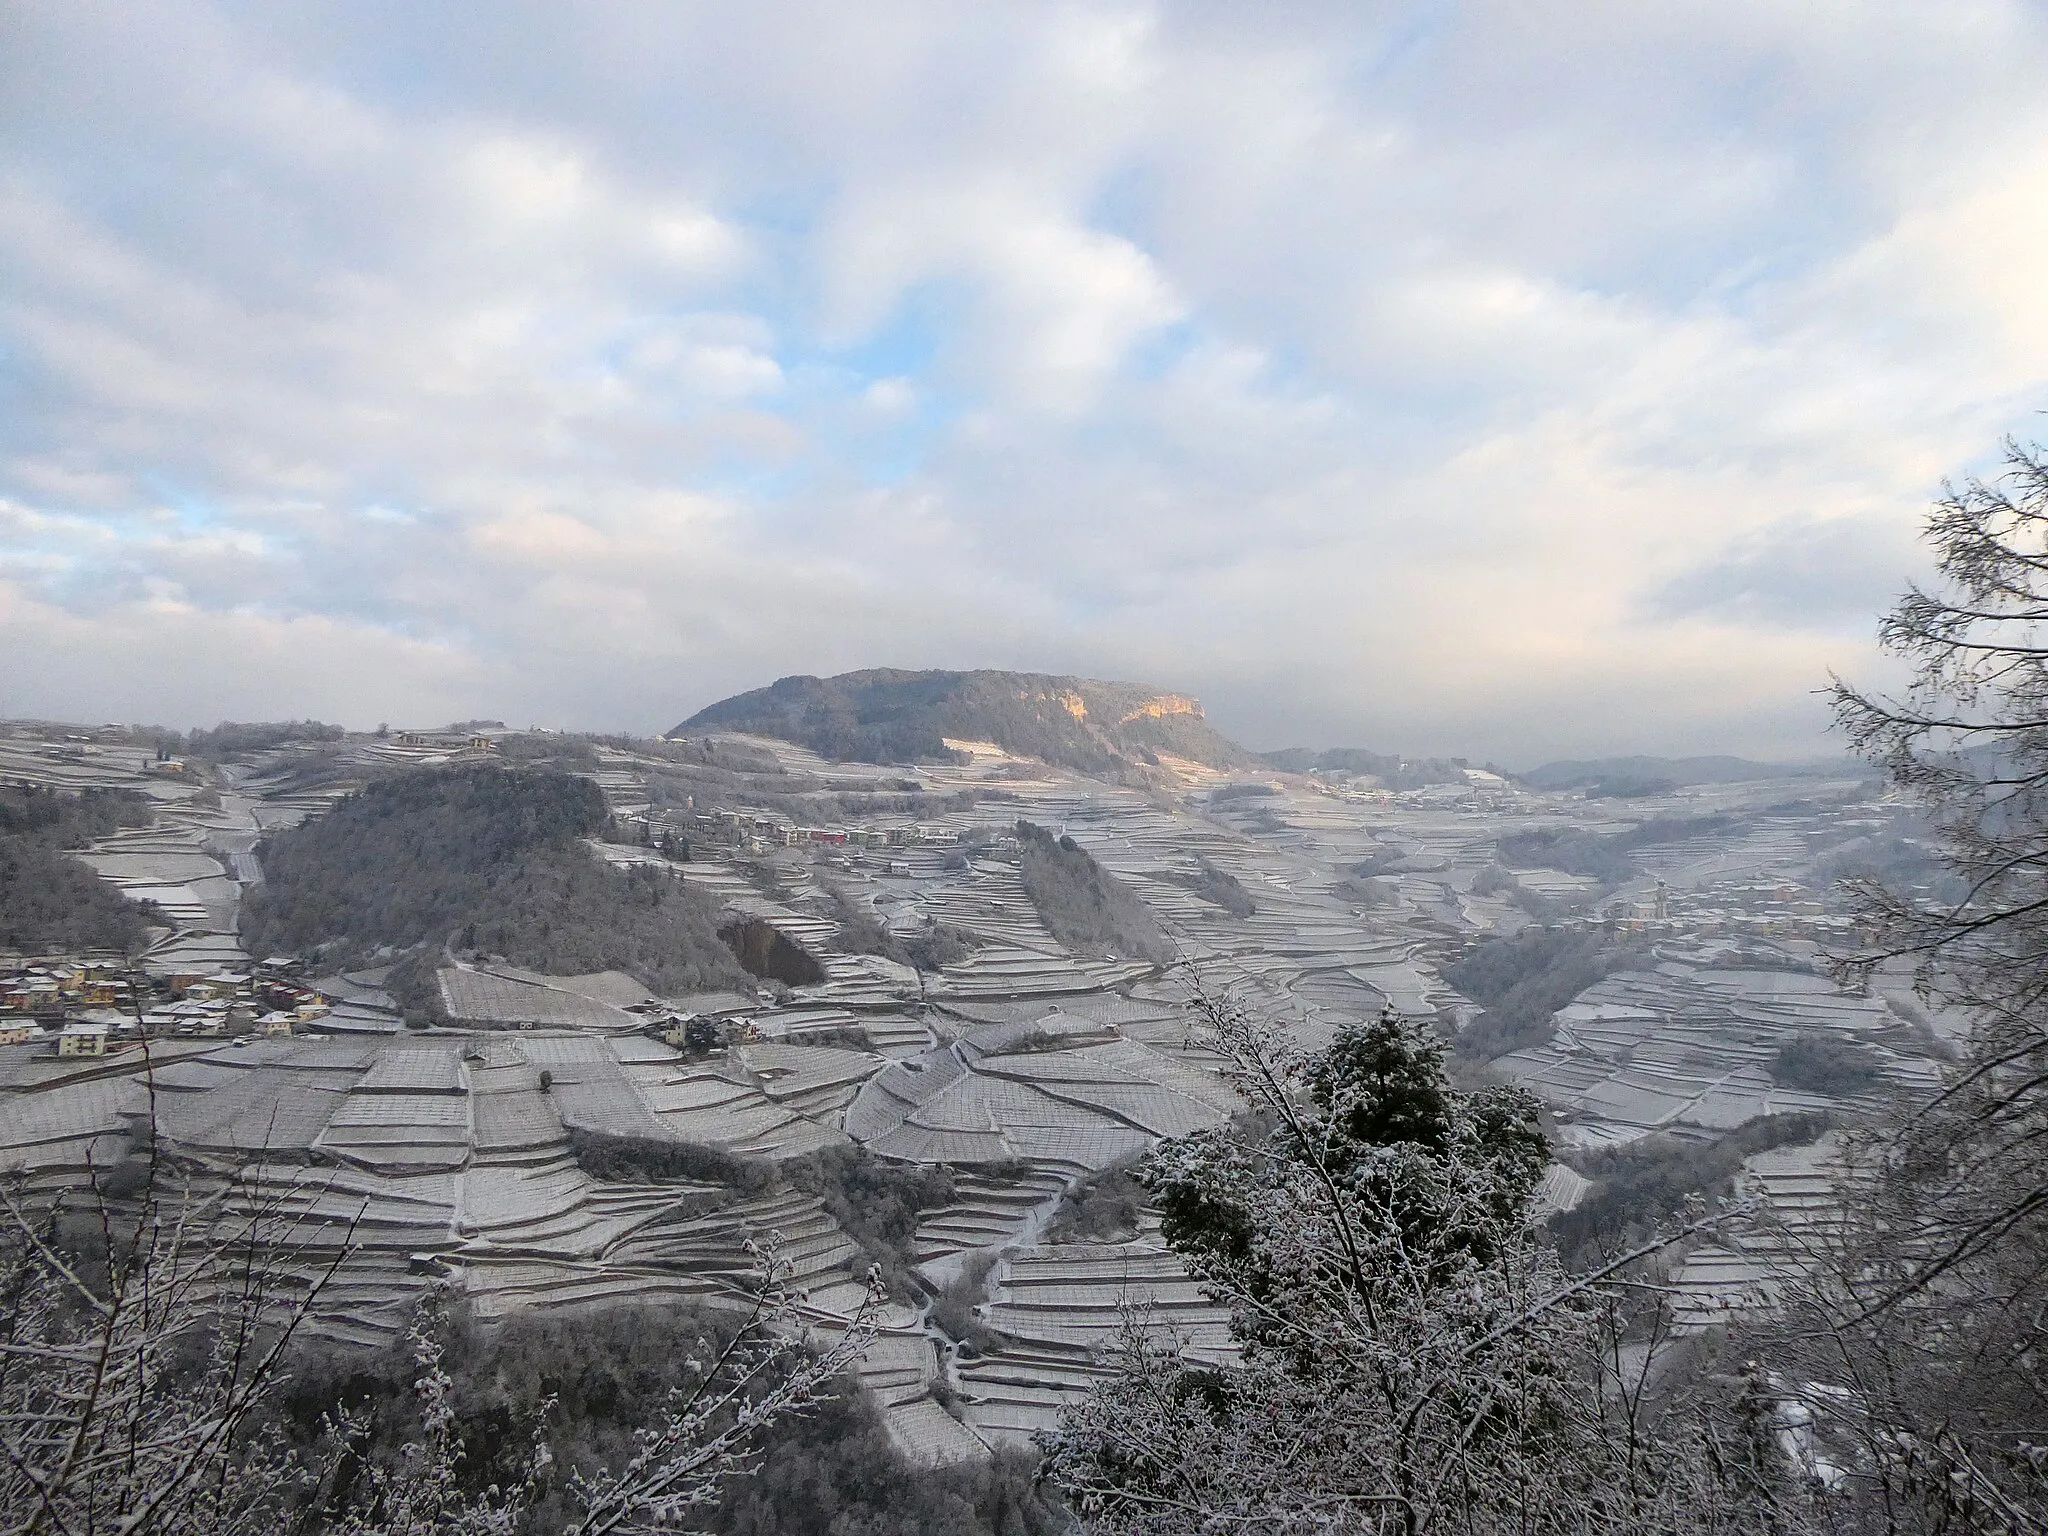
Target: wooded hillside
<point x="1086" y="907"/>
<point x="49" y="901"/>
<point x="486" y="859"/>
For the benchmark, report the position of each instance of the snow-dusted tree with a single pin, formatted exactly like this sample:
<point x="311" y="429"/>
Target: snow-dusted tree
<point x="708" y="1434"/>
<point x="424" y="1495"/>
<point x="683" y="1463"/>
<point x="1967" y="740"/>
<point x="142" y="1331"/>
<point x="137" y="1338"/>
<point x="1923" y="1320"/>
<point x="1921" y="1398"/>
<point x="1412" y="1357"/>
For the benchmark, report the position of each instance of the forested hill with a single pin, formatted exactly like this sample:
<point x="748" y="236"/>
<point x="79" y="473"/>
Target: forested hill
<point x="490" y="860"/>
<point x="889" y="716"/>
<point x="49" y="901"/>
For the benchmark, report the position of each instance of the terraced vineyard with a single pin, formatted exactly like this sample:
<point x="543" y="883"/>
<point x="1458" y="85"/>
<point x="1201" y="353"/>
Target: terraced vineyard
<point x="464" y="1149"/>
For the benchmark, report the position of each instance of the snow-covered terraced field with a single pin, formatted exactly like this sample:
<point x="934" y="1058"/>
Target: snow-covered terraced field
<point x="1686" y="1047"/>
<point x="658" y="1241"/>
<point x="198" y="952"/>
<point x="513" y="1118"/>
<point x="985" y="1213"/>
<point x="588" y="1085"/>
<point x="982" y="1100"/>
<point x="1799" y="1194"/>
<point x="758" y="1110"/>
<point x="893" y="1033"/>
<point x="500" y="996"/>
<point x="1022" y="1066"/>
<point x="62" y="1127"/>
<point x="1061" y="1309"/>
<point x="229" y="1108"/>
<point x="1005" y="972"/>
<point x="398" y="1159"/>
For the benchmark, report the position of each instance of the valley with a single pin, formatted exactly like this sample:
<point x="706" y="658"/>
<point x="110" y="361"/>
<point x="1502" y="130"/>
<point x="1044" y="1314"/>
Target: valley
<point x="966" y="971"/>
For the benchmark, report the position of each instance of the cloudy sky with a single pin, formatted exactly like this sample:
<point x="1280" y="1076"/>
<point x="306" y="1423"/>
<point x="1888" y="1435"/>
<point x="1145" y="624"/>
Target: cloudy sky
<point x="1522" y="379"/>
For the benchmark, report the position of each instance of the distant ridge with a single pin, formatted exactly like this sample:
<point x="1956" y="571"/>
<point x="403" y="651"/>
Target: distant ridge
<point x="1390" y="768"/>
<point x="1641" y="775"/>
<point x="885" y="715"/>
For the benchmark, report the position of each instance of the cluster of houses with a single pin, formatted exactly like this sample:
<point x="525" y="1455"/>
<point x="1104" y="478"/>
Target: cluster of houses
<point x="90" y="1007"/>
<point x="1762" y="910"/>
<point x="34" y="993"/>
<point x="702" y="1031"/>
<point x="758" y="833"/>
<point x="461" y="744"/>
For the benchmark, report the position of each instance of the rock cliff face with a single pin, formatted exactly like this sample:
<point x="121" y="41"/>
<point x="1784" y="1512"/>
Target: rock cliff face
<point x="1159" y="708"/>
<point x="886" y="715"/>
<point x="770" y="955"/>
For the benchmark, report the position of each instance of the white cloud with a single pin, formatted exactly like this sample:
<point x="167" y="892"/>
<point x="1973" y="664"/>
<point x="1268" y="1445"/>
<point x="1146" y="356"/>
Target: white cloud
<point x="894" y="396"/>
<point x="1056" y="306"/>
<point x="1470" y="380"/>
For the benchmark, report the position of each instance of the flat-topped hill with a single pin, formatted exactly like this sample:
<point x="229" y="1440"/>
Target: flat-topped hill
<point x="889" y="716"/>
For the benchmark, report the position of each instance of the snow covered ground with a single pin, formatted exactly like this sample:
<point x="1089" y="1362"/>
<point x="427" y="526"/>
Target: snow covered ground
<point x="1022" y="1064"/>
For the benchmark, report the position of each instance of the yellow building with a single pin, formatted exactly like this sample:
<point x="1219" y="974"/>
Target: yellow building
<point x="82" y="1039"/>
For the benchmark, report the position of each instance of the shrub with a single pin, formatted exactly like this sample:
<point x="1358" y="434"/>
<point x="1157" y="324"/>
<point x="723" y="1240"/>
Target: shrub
<point x="953" y="1309"/>
<point x="941" y="945"/>
<point x="645" y="1160"/>
<point x="1821" y="1063"/>
<point x="876" y="1203"/>
<point x="1217" y="886"/>
<point x="1645" y="1182"/>
<point x="1524" y="980"/>
<point x="1102" y="1208"/>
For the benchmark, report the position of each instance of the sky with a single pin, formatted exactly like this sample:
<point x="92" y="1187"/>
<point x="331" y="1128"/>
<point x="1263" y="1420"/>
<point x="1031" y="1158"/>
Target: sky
<point x="1517" y="380"/>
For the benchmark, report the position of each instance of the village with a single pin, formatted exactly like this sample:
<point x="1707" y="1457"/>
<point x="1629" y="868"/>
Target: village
<point x="90" y="1007"/>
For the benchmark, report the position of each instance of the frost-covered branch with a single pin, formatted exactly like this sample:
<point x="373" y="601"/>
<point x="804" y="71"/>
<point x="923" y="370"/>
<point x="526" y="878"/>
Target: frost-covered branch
<point x="138" y="1339"/>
